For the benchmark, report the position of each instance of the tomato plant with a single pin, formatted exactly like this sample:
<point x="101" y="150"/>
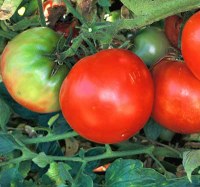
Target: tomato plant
<point x="27" y="70"/>
<point x="107" y="97"/>
<point x="150" y="45"/>
<point x="177" y="97"/>
<point x="190" y="43"/>
<point x="173" y="28"/>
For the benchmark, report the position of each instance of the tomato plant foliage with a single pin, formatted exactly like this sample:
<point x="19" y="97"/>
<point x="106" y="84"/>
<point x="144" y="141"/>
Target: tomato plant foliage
<point x="120" y="123"/>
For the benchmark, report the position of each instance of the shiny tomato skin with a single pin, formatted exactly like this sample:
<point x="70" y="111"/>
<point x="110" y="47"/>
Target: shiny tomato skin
<point x="26" y="68"/>
<point x="107" y="97"/>
<point x="177" y="97"/>
<point x="190" y="43"/>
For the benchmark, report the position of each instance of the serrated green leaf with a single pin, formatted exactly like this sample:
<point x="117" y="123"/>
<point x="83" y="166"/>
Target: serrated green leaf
<point x="5" y="113"/>
<point x="25" y="23"/>
<point x="83" y="180"/>
<point x="125" y="172"/>
<point x="42" y="160"/>
<point x="8" y="144"/>
<point x="50" y="148"/>
<point x="24" y="168"/>
<point x="131" y="173"/>
<point x="191" y="161"/>
<point x="8" y="8"/>
<point x="152" y="130"/>
<point x="10" y="176"/>
<point x="59" y="172"/>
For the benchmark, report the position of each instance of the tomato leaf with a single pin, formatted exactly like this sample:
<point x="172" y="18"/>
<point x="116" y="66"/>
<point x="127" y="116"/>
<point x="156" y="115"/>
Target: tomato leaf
<point x="25" y="23"/>
<point x="10" y="176"/>
<point x="152" y="130"/>
<point x="50" y="148"/>
<point x="104" y="3"/>
<point x="60" y="125"/>
<point x="59" y="172"/>
<point x="191" y="161"/>
<point x="42" y="160"/>
<point x="131" y="172"/>
<point x="8" y="8"/>
<point x="24" y="168"/>
<point x="8" y="143"/>
<point x="5" y="113"/>
<point x="83" y="180"/>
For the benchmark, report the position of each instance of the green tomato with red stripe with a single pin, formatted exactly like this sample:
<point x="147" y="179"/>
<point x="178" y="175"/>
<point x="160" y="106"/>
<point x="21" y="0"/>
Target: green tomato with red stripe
<point x="27" y="69"/>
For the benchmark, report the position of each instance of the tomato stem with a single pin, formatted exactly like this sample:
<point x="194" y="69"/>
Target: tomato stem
<point x="8" y="35"/>
<point x="49" y="138"/>
<point x="72" y="50"/>
<point x="41" y="13"/>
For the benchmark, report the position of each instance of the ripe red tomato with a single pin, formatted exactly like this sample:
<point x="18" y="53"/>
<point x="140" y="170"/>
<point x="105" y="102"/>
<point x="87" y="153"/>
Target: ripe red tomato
<point x="177" y="97"/>
<point x="172" y="29"/>
<point x="191" y="44"/>
<point x="107" y="97"/>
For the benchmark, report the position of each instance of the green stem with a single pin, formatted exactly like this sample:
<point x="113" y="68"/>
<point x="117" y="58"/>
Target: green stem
<point x="42" y="18"/>
<point x="156" y="13"/>
<point x="178" y="153"/>
<point x="158" y="163"/>
<point x="49" y="138"/>
<point x="19" y="159"/>
<point x="28" y="155"/>
<point x="9" y="35"/>
<point x="72" y="50"/>
<point x="113" y="154"/>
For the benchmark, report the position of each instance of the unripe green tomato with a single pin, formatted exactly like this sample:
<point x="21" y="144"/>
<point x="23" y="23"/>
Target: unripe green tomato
<point x="150" y="45"/>
<point x="27" y="67"/>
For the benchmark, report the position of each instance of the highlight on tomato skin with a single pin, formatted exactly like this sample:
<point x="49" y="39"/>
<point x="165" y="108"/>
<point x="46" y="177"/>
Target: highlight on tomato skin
<point x="190" y="44"/>
<point x="177" y="97"/>
<point x="107" y="97"/>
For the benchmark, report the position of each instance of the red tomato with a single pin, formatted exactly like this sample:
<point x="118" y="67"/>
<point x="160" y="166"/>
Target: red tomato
<point x="191" y="44"/>
<point x="172" y="29"/>
<point x="107" y="97"/>
<point x="177" y="97"/>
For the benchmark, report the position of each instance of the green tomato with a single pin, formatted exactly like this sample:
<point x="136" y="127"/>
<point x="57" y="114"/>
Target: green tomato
<point x="150" y="45"/>
<point x="27" y="66"/>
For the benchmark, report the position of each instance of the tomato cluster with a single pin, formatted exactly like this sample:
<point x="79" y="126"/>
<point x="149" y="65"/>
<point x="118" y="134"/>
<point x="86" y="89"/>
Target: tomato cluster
<point x="109" y="96"/>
